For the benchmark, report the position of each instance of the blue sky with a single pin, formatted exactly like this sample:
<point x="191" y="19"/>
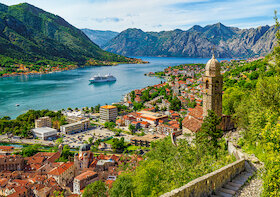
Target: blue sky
<point x="158" y="15"/>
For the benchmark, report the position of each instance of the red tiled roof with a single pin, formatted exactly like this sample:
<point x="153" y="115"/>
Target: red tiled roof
<point x="21" y="182"/>
<point x="44" y="154"/>
<point x="3" y="182"/>
<point x="18" y="191"/>
<point x="197" y="112"/>
<point x="85" y="175"/>
<point x="54" y="157"/>
<point x="144" y="123"/>
<point x="192" y="123"/>
<point x="34" y="160"/>
<point x="6" y="148"/>
<point x="62" y="168"/>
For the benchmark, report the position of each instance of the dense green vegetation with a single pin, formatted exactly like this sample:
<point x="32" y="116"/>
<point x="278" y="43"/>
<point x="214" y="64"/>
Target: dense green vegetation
<point x="22" y="125"/>
<point x="151" y="92"/>
<point x="255" y="104"/>
<point x="65" y="154"/>
<point x="35" y="38"/>
<point x="167" y="167"/>
<point x="95" y="189"/>
<point x="30" y="150"/>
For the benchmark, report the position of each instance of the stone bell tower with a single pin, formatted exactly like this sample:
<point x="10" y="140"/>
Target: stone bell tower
<point x="212" y="87"/>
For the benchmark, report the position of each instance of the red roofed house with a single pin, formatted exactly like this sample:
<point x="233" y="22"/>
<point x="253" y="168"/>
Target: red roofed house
<point x="193" y="121"/>
<point x="167" y="129"/>
<point x="63" y="174"/>
<point x="120" y="122"/>
<point x="19" y="191"/>
<point x="83" y="180"/>
<point x="144" y="124"/>
<point x="6" y="150"/>
<point x="138" y="99"/>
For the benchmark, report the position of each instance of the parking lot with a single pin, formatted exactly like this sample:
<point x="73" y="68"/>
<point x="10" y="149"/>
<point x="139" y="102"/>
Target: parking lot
<point x="76" y="140"/>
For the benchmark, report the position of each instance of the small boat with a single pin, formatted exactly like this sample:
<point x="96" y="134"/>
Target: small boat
<point x="99" y="78"/>
<point x="17" y="105"/>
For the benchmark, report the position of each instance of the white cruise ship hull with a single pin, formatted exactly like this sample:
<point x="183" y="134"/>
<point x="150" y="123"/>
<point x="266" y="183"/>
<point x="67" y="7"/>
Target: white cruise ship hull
<point x="102" y="79"/>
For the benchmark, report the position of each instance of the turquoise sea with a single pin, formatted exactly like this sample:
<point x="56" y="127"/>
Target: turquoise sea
<point x="72" y="89"/>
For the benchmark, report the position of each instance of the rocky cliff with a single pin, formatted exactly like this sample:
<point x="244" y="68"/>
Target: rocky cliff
<point x="195" y="42"/>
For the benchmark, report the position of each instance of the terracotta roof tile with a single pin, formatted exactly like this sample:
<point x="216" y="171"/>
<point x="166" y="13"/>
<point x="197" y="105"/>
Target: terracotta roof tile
<point x="85" y="175"/>
<point x="192" y="123"/>
<point x="197" y="112"/>
<point x="62" y="168"/>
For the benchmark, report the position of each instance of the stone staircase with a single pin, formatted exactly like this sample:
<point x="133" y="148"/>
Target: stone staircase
<point x="231" y="187"/>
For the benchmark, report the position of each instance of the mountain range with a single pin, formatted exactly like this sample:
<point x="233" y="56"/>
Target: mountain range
<point x="195" y="42"/>
<point x="100" y="37"/>
<point x="30" y="34"/>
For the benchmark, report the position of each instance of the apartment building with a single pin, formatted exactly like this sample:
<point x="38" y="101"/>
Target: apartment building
<point x="108" y="113"/>
<point x="75" y="127"/>
<point x="43" y="122"/>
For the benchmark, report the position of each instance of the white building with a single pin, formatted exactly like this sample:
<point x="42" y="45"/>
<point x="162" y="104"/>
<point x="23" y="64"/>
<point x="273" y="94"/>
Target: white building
<point x="44" y="133"/>
<point x="75" y="127"/>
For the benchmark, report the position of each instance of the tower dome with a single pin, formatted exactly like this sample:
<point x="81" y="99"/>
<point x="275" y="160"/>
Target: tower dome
<point x="213" y="67"/>
<point x="85" y="147"/>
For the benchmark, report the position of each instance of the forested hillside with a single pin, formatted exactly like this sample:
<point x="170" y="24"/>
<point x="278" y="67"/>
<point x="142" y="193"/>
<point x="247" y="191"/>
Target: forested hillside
<point x="252" y="97"/>
<point x="29" y="35"/>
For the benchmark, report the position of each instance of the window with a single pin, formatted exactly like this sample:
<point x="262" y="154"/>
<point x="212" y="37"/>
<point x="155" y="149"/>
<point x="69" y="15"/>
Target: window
<point x="207" y="84"/>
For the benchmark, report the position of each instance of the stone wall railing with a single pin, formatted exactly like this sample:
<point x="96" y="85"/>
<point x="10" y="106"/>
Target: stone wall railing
<point x="232" y="150"/>
<point x="205" y="185"/>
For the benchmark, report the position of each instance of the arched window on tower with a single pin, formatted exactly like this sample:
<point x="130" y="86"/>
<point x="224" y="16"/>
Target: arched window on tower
<point x="207" y="84"/>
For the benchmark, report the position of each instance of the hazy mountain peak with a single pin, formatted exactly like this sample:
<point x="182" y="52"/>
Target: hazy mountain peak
<point x="197" y="42"/>
<point x="100" y="37"/>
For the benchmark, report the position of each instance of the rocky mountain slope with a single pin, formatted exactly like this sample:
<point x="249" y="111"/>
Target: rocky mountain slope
<point x="29" y="34"/>
<point x="100" y="37"/>
<point x="195" y="42"/>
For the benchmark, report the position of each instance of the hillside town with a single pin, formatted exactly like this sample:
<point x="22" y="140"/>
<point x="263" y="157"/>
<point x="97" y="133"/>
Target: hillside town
<point x="93" y="144"/>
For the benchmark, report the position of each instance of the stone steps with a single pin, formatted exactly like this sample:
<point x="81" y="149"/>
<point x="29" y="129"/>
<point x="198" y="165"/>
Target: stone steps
<point x="230" y="188"/>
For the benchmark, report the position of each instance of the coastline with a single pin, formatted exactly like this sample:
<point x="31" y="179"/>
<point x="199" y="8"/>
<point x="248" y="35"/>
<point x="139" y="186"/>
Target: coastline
<point x="69" y="68"/>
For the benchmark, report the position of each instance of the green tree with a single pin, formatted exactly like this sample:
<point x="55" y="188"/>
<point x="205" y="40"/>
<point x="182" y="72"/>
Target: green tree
<point x="65" y="154"/>
<point x="30" y="150"/>
<point x="231" y="99"/>
<point x="118" y="145"/>
<point x="131" y="128"/>
<point x="58" y="194"/>
<point x="276" y="50"/>
<point x="209" y="134"/>
<point x="97" y="108"/>
<point x="90" y="140"/>
<point x="95" y="189"/>
<point x="59" y="141"/>
<point x="123" y="186"/>
<point x="6" y="118"/>
<point x="175" y="104"/>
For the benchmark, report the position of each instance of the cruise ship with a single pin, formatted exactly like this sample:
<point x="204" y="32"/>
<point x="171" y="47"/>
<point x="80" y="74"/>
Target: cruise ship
<point x="99" y="78"/>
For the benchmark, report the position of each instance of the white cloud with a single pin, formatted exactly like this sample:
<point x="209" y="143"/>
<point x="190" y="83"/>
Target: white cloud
<point x="156" y="15"/>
